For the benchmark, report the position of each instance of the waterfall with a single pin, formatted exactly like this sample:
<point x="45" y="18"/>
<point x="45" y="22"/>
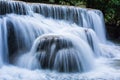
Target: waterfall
<point x="58" y="38"/>
<point x="1" y="45"/>
<point x="3" y="42"/>
<point x="80" y="16"/>
<point x="21" y="37"/>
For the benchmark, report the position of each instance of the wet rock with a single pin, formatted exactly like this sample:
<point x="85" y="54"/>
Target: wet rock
<point x="58" y="53"/>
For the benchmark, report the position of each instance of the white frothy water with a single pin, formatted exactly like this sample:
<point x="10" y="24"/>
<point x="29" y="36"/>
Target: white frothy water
<point x="48" y="48"/>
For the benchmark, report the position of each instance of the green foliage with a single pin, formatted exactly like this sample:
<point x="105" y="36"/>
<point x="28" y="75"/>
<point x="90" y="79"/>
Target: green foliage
<point x="113" y="12"/>
<point x="110" y="8"/>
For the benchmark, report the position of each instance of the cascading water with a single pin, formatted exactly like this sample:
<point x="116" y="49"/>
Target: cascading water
<point x="42" y="40"/>
<point x="3" y="42"/>
<point x="82" y="17"/>
<point x="59" y="52"/>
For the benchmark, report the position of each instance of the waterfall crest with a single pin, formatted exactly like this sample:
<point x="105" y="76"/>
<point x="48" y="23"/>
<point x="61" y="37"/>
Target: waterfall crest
<point x="17" y="7"/>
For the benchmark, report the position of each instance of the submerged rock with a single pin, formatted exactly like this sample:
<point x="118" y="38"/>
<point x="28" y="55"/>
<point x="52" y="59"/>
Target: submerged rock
<point x="51" y="48"/>
<point x="58" y="52"/>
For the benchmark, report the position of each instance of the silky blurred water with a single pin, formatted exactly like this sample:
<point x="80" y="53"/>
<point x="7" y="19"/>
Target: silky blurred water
<point x="81" y="36"/>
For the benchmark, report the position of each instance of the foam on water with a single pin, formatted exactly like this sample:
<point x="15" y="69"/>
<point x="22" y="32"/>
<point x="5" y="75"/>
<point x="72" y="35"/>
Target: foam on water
<point x="103" y="72"/>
